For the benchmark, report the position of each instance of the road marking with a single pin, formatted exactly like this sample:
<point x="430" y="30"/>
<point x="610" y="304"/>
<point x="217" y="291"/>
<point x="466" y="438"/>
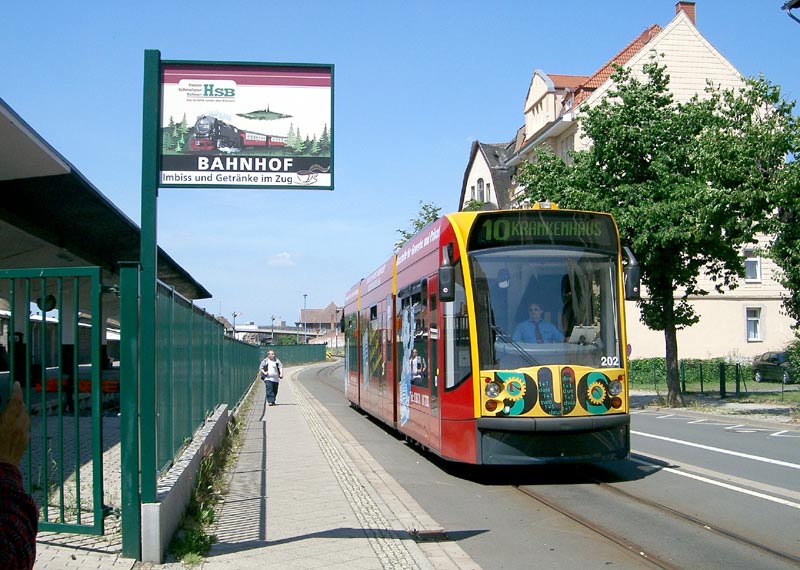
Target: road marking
<point x="785" y="433"/>
<point x="728" y="486"/>
<point x="720" y="450"/>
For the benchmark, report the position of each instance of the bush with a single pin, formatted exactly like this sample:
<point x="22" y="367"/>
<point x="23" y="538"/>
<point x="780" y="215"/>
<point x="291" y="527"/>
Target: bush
<point x="793" y="356"/>
<point x="652" y="372"/>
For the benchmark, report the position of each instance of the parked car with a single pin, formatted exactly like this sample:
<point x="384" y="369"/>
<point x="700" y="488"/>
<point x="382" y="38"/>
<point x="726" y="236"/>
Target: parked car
<point x="772" y="366"/>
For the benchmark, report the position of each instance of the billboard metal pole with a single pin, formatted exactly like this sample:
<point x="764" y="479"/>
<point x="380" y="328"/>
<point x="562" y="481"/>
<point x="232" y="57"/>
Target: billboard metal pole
<point x="149" y="262"/>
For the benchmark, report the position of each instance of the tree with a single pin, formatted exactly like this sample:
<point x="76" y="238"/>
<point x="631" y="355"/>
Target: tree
<point x="427" y="214"/>
<point x="689" y="185"/>
<point x="325" y="141"/>
<point x="472" y="205"/>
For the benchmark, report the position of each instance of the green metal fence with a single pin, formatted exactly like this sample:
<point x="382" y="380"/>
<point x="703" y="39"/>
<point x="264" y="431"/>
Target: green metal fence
<point x="713" y="377"/>
<point x="198" y="368"/>
<point x="292" y="355"/>
<point x="51" y="345"/>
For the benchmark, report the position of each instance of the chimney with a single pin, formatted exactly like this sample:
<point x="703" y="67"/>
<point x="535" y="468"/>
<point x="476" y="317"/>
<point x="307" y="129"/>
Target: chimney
<point x="688" y="9"/>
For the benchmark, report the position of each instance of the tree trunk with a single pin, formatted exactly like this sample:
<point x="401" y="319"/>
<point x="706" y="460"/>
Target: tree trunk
<point x="674" y="394"/>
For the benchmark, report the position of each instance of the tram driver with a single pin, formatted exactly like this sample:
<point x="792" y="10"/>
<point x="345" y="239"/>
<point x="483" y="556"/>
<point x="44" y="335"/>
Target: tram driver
<point x="536" y="330"/>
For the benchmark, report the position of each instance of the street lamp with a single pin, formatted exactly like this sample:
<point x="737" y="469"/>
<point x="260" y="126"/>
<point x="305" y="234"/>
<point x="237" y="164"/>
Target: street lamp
<point x="335" y="327"/>
<point x="305" y="335"/>
<point x="235" y="314"/>
<point x="273" y="330"/>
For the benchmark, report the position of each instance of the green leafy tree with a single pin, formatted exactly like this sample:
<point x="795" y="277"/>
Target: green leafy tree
<point x="472" y="205"/>
<point x="427" y="213"/>
<point x="689" y="185"/>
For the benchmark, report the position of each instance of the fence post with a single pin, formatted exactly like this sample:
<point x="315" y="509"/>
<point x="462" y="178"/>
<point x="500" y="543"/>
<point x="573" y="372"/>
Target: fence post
<point x="737" y="380"/>
<point x="683" y="377"/>
<point x="701" y="378"/>
<point x="721" y="379"/>
<point x="129" y="410"/>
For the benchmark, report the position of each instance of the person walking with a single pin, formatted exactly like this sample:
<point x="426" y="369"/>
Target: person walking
<point x="271" y="371"/>
<point x="19" y="517"/>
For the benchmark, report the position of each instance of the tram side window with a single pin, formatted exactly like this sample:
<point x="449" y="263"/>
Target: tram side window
<point x="351" y="342"/>
<point x="458" y="357"/>
<point x="414" y="349"/>
<point x="375" y="348"/>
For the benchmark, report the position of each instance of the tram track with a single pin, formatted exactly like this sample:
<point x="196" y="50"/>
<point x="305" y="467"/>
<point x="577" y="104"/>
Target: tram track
<point x="601" y="530"/>
<point x="703" y="524"/>
<point x="648" y="556"/>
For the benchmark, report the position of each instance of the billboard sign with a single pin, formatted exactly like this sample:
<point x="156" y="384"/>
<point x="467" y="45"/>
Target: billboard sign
<point x="229" y="125"/>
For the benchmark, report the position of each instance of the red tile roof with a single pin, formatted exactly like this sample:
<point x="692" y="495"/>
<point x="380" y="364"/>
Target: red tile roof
<point x="601" y="75"/>
<point x="583" y="86"/>
<point x="567" y="81"/>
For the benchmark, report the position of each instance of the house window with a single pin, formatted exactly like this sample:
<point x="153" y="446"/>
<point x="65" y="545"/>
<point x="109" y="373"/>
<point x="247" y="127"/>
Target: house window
<point x="472" y="192"/>
<point x="480" y="190"/>
<point x="754" y="325"/>
<point x="752" y="268"/>
<point x="488" y="192"/>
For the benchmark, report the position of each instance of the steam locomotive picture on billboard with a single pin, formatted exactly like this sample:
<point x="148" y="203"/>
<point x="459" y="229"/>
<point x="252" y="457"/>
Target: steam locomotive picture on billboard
<point x="247" y="125"/>
<point x="211" y="134"/>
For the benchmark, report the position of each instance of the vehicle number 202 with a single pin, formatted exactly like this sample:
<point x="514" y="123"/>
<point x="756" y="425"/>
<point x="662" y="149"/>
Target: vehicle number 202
<point x="609" y="361"/>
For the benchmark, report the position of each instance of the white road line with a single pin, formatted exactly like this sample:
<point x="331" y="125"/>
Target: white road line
<point x="720" y="450"/>
<point x="723" y="485"/>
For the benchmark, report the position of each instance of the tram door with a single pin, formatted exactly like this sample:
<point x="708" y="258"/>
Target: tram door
<point x="435" y="425"/>
<point x="413" y="346"/>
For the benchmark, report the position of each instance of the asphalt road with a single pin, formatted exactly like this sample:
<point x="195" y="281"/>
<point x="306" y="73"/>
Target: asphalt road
<point x="696" y="493"/>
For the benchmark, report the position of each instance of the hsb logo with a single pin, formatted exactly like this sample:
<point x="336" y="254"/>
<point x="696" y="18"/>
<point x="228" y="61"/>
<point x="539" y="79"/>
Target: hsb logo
<point x="210" y="91"/>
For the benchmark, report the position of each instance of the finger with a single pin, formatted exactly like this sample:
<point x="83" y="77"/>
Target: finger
<point x="20" y="411"/>
<point x="16" y="393"/>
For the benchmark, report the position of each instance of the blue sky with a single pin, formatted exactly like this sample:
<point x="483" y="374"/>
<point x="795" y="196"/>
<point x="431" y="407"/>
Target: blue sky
<point x="415" y="83"/>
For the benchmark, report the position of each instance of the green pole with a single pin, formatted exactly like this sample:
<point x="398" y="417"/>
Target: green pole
<point x="129" y="410"/>
<point x="149" y="261"/>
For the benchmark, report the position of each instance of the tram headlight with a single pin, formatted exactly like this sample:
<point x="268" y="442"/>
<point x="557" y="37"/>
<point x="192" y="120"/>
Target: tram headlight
<point x="493" y="390"/>
<point x="615" y="387"/>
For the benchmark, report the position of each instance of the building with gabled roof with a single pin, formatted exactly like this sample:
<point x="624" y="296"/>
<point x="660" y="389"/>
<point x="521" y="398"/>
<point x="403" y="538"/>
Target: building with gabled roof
<point x="744" y="322"/>
<point x="490" y="179"/>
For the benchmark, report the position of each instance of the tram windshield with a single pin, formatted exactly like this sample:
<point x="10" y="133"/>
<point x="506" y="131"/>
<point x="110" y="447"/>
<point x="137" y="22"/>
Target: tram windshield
<point x="537" y="305"/>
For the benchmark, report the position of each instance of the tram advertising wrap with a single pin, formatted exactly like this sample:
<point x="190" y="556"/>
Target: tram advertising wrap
<point x="499" y="338"/>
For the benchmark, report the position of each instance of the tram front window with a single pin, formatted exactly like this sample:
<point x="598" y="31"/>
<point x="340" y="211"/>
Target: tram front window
<point x="536" y="306"/>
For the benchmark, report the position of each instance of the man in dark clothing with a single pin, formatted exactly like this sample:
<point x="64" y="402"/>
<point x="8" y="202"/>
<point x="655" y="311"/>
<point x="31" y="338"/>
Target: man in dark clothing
<point x="18" y="513"/>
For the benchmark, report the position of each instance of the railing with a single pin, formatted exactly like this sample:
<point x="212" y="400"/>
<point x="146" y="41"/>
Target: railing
<point x="705" y="377"/>
<point x="55" y="355"/>
<point x="198" y="368"/>
<point x="291" y="355"/>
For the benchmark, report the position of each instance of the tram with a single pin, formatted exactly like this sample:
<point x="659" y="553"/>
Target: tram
<point x="498" y="337"/>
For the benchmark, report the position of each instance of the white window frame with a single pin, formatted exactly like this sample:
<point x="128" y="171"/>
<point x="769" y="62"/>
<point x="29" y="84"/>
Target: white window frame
<point x="750" y="257"/>
<point x="758" y="335"/>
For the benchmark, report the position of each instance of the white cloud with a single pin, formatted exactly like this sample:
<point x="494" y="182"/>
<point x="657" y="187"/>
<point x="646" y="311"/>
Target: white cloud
<point x="282" y="259"/>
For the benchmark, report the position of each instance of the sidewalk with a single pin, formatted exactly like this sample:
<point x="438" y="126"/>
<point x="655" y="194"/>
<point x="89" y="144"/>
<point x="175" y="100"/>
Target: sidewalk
<point x="304" y="494"/>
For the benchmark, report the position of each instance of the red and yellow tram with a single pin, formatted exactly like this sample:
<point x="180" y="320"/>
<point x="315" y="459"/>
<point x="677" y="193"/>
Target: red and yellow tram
<point x="498" y="337"/>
